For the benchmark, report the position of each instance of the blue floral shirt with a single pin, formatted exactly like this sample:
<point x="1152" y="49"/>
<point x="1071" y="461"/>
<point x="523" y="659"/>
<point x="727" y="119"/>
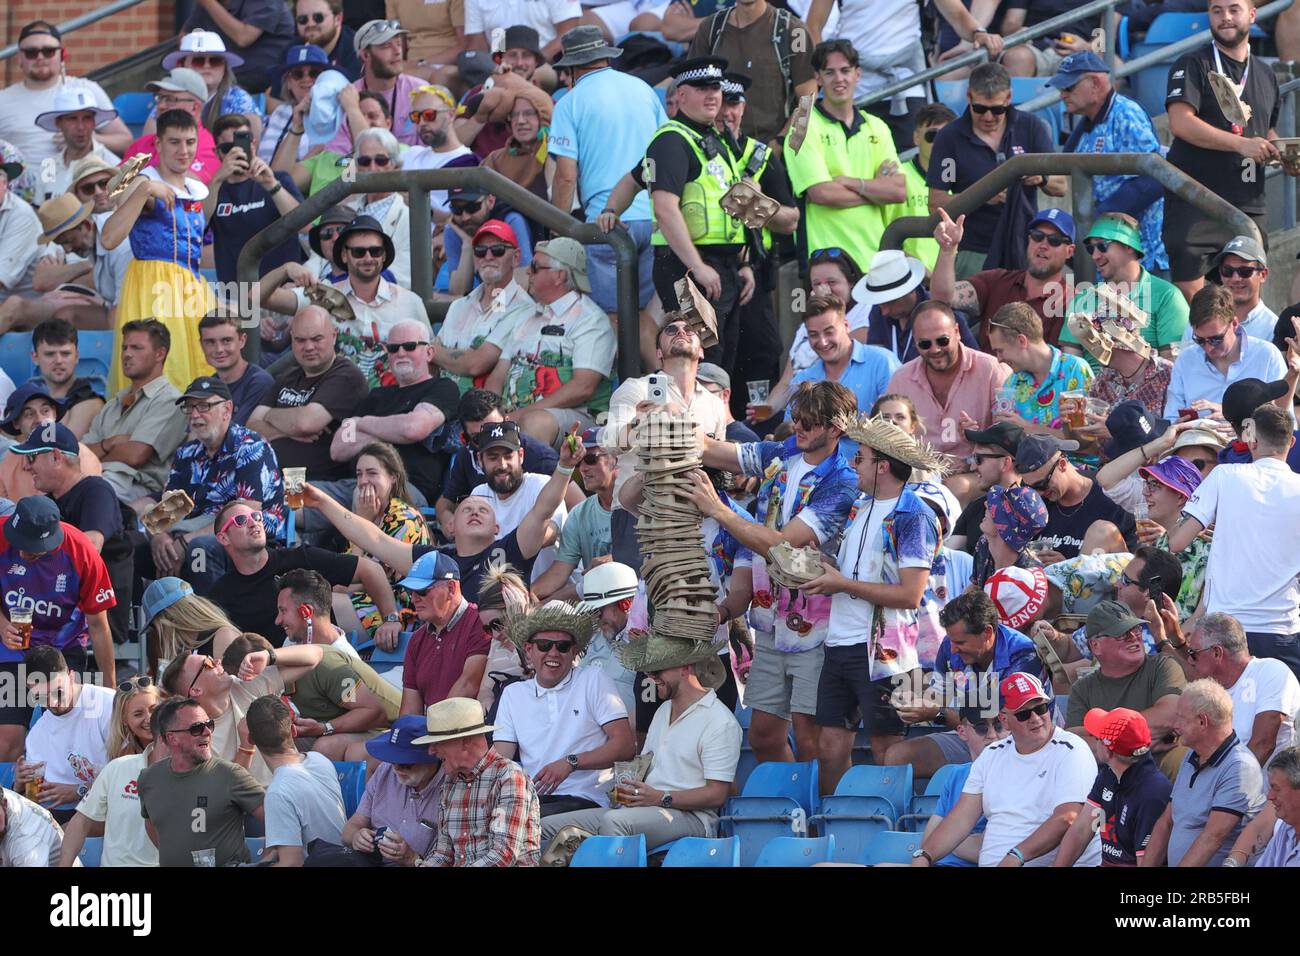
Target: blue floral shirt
<point x="244" y="467"/>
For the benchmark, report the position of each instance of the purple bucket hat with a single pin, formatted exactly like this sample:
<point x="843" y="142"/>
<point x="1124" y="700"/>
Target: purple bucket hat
<point x="1177" y="474"/>
<point x="1018" y="513"/>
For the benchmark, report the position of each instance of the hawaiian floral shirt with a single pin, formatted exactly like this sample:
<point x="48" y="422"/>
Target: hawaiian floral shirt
<point x="245" y="466"/>
<point x="403" y="523"/>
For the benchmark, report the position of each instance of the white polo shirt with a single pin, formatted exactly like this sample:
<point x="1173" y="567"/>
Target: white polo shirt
<point x="1251" y="574"/>
<point x="1266" y="685"/>
<point x="114" y="800"/>
<point x="550" y="723"/>
<point x="702" y="744"/>
<point x="1020" y="792"/>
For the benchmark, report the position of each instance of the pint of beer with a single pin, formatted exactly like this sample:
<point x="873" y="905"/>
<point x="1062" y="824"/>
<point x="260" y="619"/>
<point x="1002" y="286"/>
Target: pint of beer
<point x="1073" y="406"/>
<point x="294" y="479"/>
<point x="33" y="788"/>
<point x="21" y="618"/>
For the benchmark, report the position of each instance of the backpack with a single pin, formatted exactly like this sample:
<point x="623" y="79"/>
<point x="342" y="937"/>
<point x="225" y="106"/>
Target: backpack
<point x="780" y="42"/>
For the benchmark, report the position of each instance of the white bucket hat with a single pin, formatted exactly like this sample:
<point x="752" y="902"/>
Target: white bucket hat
<point x="73" y="99"/>
<point x="891" y="275"/>
<point x="201" y="41"/>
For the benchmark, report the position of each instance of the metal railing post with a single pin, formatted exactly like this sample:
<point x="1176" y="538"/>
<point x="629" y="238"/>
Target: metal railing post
<point x="76" y="23"/>
<point x="1081" y="195"/>
<point x="422" y="239"/>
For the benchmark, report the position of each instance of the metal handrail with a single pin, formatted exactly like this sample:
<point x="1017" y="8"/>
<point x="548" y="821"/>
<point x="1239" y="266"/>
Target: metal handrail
<point x="417" y="184"/>
<point x="76" y="23"/>
<point x="1016" y="39"/>
<point x="1165" y="54"/>
<point x="1089" y="164"/>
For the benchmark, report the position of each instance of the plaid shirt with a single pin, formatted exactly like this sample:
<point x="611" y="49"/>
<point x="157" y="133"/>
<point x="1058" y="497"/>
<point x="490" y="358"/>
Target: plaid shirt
<point x="489" y="817"/>
<point x="1149" y="388"/>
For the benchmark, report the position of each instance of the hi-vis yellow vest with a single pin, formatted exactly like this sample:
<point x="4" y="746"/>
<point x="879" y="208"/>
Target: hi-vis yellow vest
<point x="707" y="224"/>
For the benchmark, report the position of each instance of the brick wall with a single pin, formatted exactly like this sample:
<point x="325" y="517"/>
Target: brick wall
<point x="125" y="32"/>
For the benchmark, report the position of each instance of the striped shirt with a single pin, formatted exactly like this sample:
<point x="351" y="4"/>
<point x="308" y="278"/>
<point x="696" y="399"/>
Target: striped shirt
<point x="489" y="816"/>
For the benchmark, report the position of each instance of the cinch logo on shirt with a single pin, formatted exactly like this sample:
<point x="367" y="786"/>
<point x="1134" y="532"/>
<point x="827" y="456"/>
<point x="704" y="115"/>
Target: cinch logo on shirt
<point x="45" y="608"/>
<point x="104" y="595"/>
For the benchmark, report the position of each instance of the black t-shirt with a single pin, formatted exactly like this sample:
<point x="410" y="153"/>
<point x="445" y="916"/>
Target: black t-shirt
<point x="249" y="599"/>
<point x="82" y="390"/>
<point x="419" y="457"/>
<point x="775" y="181"/>
<point x="337" y="388"/>
<point x="464" y="474"/>
<point x="1224" y="172"/>
<point x="968" y="523"/>
<point x="739" y="433"/>
<point x="243" y="210"/>
<point x="1038" y="11"/>
<point x="473" y="566"/>
<point x="1067" y="526"/>
<point x="92" y="505"/>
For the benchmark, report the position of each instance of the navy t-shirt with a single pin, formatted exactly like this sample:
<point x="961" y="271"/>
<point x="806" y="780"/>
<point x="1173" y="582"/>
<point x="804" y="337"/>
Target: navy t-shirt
<point x="1130" y="807"/>
<point x="474" y="566"/>
<point x="247" y="391"/>
<point x="92" y="505"/>
<point x="243" y="210"/>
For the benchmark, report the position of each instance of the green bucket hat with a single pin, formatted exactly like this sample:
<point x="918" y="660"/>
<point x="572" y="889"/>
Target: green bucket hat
<point x="1109" y="228"/>
<point x="553" y="616"/>
<point x="659" y="652"/>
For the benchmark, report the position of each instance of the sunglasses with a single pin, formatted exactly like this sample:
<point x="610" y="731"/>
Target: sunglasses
<point x="1097" y="245"/>
<point x="1199" y="464"/>
<point x="807" y="425"/>
<point x="545" y="646"/>
<point x="40" y="52"/>
<point x="496" y="250"/>
<point x="980" y="109"/>
<point x="201" y="59"/>
<point x="305" y="72"/>
<point x="1204" y="340"/>
<point x="591" y="457"/>
<point x="982" y="727"/>
<point x="241" y="520"/>
<point x="197" y="729"/>
<point x="1193" y="652"/>
<point x="1125" y="579"/>
<point x="208" y="665"/>
<point x="859" y="458"/>
<point x="394" y="348"/>
<point x="929" y="135"/>
<point x="87" y="190"/>
<point x="143" y="680"/>
<point x="496" y="627"/>
<point x="167" y="100"/>
<point x="983" y="456"/>
<point x="830" y="252"/>
<point x="942" y="341"/>
<point x="674" y="328"/>
<point x="1039" y="710"/>
<point x="427" y="116"/>
<point x="329" y="232"/>
<point x="365" y="162"/>
<point x="1043" y="484"/>
<point x="360" y="252"/>
<point x="1243" y="272"/>
<point x="465" y="208"/>
<point x="305" y="18"/>
<point x="1052" y="239"/>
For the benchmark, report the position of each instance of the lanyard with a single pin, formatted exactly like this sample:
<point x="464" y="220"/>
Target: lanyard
<point x="893" y="330"/>
<point x="1245" y="74"/>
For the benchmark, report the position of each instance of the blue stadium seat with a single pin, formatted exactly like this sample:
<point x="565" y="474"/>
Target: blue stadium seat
<point x="7" y="772"/>
<point x="352" y="781"/>
<point x="96" y="358"/>
<point x="601" y="851"/>
<point x="255" y="847"/>
<point x="796" y="851"/>
<point x="382" y="660"/>
<point x="892" y="784"/>
<point x="91" y="851"/>
<point x="702" y="852"/>
<point x="891" y="847"/>
<point x="854" y="821"/>
<point x="16" y="356"/>
<point x="133" y="109"/>
<point x="924" y="804"/>
<point x="756" y="820"/>
<point x="1149" y="86"/>
<point x="798" y="781"/>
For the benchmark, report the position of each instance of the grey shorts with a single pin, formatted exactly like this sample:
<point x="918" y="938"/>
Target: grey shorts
<point x="565" y="418"/>
<point x="780" y="683"/>
<point x="603" y="278"/>
<point x="954" y="749"/>
<point x="1046" y="60"/>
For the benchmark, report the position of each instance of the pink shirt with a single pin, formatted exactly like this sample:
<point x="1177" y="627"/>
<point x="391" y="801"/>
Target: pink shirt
<point x="972" y="392"/>
<point x="399" y="101"/>
<point x="205" y="162"/>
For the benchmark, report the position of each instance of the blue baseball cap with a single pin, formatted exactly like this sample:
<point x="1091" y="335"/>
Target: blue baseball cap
<point x="19" y="399"/>
<point x="305" y="54"/>
<point x="431" y="568"/>
<point x="1059" y="218"/>
<point x="49" y="437"/>
<point x="162" y="594"/>
<point x="35" y="525"/>
<point x="395" y="745"/>
<point x="1072" y="69"/>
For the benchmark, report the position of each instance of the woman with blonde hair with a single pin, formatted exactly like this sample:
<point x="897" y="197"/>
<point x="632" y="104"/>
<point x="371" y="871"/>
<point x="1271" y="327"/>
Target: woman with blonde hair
<point x="181" y="623"/>
<point x="135" y="702"/>
<point x="503" y="594"/>
<point x="899" y="410"/>
<point x="382" y="498"/>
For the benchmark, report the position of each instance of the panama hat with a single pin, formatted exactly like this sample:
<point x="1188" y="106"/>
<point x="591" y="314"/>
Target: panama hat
<point x="453" y="718"/>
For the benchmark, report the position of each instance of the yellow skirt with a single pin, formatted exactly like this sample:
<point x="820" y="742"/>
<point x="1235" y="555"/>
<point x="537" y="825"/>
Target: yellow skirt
<point x="178" y="299"/>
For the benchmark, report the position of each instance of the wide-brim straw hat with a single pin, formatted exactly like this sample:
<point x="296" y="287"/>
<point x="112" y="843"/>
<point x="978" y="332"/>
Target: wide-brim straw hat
<point x="888" y="439"/>
<point x="661" y="652"/>
<point x="452" y="718"/>
<point x="553" y="616"/>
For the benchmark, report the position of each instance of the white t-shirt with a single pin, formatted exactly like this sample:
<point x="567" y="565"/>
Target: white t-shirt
<point x="114" y="800"/>
<point x="510" y="512"/>
<point x="304" y="803"/>
<point x="881" y="27"/>
<point x="73" y="746"/>
<point x="569" y="718"/>
<point x="1251" y="574"/>
<point x="481" y="16"/>
<point x="794" y="474"/>
<point x="31" y="837"/>
<point x="1020" y="791"/>
<point x="702" y="744"/>
<point x="425" y="157"/>
<point x="850" y="621"/>
<point x="1265" y="685"/>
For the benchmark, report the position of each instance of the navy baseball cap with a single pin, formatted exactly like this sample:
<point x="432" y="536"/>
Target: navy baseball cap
<point x="35" y="525"/>
<point x="19" y="399"/>
<point x="1059" y="218"/>
<point x="394" y="744"/>
<point x="1073" y="68"/>
<point x="1131" y="425"/>
<point x="435" y="566"/>
<point x="51" y="436"/>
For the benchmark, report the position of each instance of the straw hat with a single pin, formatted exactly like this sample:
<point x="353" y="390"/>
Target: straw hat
<point x="60" y="214"/>
<point x="888" y="439"/>
<point x="552" y="616"/>
<point x="660" y="652"/>
<point x="452" y="718"/>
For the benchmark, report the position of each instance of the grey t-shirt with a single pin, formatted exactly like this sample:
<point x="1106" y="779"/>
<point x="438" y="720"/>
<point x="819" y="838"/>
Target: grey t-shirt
<point x="200" y="809"/>
<point x="1230" y="781"/>
<point x="304" y="803"/>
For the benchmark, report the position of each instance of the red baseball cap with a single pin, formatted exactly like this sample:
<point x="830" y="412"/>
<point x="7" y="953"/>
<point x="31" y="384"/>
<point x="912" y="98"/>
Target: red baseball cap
<point x="499" y="230"/>
<point x="1021" y="689"/>
<point x="1121" y="731"/>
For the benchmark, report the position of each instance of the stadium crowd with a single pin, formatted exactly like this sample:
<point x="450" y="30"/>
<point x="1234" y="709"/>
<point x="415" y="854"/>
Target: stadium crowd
<point x="402" y="616"/>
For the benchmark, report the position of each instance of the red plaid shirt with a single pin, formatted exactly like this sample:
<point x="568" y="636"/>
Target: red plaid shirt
<point x="489" y="816"/>
<point x="1149" y="387"/>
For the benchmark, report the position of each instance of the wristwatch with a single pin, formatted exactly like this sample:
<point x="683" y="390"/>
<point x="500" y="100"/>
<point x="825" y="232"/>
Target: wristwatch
<point x="270" y="657"/>
<point x="919" y="853"/>
<point x="392" y="618"/>
<point x="329" y="728"/>
<point x="666" y="801"/>
<point x="572" y="760"/>
<point x="82" y="790"/>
